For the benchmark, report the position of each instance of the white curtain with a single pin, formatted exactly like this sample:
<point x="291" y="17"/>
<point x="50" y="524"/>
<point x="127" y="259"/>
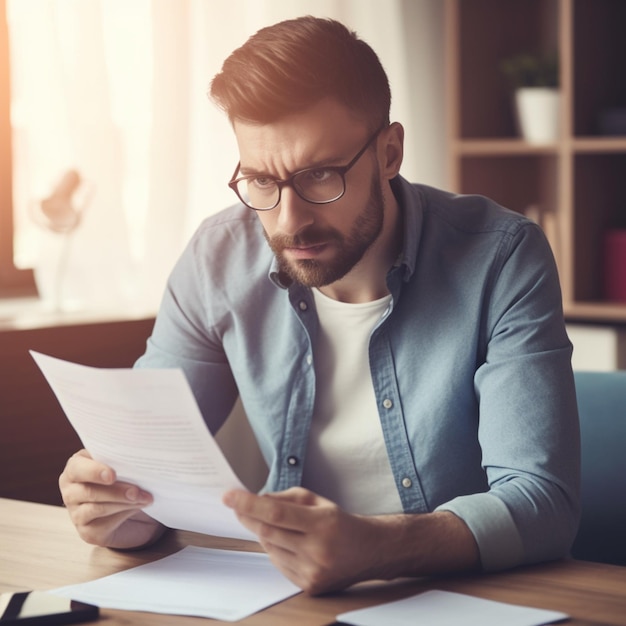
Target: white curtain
<point x="116" y="90"/>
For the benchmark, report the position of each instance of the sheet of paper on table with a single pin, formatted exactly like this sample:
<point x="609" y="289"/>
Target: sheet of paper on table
<point x="221" y="584"/>
<point x="146" y="424"/>
<point x="445" y="608"/>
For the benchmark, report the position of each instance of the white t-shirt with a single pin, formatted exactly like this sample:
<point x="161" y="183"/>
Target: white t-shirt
<point x="346" y="458"/>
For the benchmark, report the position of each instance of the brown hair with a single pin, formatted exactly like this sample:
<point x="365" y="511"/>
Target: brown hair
<point x="290" y="66"/>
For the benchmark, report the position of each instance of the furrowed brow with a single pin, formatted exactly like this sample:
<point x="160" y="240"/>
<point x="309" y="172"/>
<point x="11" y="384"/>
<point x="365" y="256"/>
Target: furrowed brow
<point x="251" y="171"/>
<point x="330" y="162"/>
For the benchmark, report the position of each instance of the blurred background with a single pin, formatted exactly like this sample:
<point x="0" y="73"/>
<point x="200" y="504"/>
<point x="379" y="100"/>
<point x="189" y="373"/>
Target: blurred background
<point x="113" y="92"/>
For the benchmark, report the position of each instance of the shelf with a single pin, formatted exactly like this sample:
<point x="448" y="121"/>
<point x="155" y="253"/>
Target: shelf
<point x="599" y="144"/>
<point x="495" y="147"/>
<point x="612" y="312"/>
<point x="507" y="146"/>
<point x="575" y="187"/>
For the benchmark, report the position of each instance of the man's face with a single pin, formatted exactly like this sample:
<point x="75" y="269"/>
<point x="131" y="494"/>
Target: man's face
<point x="316" y="244"/>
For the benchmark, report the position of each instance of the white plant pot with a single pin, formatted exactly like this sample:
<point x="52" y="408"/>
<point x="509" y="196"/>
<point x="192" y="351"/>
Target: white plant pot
<point x="538" y="114"/>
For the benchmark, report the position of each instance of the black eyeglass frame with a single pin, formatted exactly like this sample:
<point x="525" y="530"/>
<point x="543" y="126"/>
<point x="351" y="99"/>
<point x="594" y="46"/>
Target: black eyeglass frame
<point x="342" y="170"/>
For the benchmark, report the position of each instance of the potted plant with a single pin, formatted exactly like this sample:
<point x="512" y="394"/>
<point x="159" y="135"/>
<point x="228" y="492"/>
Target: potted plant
<point x="534" y="79"/>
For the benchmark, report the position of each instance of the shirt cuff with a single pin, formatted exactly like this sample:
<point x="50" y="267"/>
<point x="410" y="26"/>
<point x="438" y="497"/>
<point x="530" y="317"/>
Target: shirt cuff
<point x="493" y="527"/>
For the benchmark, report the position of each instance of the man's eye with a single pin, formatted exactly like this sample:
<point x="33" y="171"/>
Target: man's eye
<point x="262" y="182"/>
<point x="318" y="176"/>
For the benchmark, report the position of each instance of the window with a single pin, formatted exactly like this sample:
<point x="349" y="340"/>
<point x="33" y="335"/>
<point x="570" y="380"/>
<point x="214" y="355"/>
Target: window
<point x="115" y="91"/>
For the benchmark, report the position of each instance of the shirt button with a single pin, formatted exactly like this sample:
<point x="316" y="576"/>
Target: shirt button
<point x="292" y="460"/>
<point x="309" y="359"/>
<point x="303" y="305"/>
<point x="387" y="403"/>
<point x="407" y="482"/>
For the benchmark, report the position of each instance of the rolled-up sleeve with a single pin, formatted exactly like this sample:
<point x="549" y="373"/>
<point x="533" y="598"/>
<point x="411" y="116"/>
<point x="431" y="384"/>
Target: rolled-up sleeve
<point x="528" y="421"/>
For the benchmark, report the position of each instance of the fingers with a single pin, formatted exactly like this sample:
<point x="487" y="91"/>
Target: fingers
<point x="98" y="504"/>
<point x="81" y="468"/>
<point x="290" y="509"/>
<point x="310" y="539"/>
<point x="119" y="494"/>
<point x="84" y="480"/>
<point x="272" y="510"/>
<point x="291" y="520"/>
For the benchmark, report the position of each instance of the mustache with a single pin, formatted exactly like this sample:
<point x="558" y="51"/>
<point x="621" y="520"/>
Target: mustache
<point x="309" y="237"/>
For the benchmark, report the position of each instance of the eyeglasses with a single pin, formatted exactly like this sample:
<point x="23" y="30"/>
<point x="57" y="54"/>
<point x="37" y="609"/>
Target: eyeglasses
<point x="318" y="185"/>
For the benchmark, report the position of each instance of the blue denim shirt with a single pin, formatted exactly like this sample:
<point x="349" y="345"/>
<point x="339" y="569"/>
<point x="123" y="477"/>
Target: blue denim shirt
<point x="471" y="364"/>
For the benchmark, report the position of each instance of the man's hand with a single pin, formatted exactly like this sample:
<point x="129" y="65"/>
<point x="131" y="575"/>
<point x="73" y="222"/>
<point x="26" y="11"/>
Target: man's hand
<point x="318" y="546"/>
<point x="106" y="512"/>
<point x="321" y="548"/>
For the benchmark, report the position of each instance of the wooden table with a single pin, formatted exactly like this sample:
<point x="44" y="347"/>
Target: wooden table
<point x="39" y="549"/>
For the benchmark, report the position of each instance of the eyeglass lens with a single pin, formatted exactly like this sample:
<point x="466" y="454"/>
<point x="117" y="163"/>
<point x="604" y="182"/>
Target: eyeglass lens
<point x="315" y="185"/>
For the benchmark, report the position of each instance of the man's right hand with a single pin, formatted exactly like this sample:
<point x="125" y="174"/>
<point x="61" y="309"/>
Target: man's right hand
<point x="106" y="512"/>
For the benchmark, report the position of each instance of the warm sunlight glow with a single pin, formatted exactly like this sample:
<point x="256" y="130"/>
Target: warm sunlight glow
<point x="81" y="99"/>
<point x="114" y="93"/>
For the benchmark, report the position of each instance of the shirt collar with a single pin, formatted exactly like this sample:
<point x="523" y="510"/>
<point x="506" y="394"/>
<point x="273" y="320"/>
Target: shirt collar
<point x="410" y="204"/>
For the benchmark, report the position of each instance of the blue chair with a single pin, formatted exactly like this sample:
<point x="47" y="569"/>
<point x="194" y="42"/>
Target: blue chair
<point x="602" y="408"/>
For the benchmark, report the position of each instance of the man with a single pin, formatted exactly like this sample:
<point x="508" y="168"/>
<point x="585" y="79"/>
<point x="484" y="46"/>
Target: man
<point x="400" y="351"/>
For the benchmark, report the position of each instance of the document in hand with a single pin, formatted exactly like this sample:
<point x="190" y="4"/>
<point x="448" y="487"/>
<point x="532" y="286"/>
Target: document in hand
<point x="146" y="425"/>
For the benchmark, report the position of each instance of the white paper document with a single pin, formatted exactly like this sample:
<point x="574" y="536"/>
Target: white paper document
<point x="146" y="425"/>
<point x="445" y="608"/>
<point x="221" y="584"/>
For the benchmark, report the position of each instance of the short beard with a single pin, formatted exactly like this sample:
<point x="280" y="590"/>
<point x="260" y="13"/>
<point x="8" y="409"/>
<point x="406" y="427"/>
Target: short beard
<point x="351" y="248"/>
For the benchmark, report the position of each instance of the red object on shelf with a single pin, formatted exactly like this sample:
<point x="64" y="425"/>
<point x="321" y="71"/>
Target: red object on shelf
<point x="615" y="265"/>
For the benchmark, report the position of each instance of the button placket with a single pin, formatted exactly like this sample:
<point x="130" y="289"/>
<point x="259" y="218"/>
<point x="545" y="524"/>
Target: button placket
<point x="392" y="420"/>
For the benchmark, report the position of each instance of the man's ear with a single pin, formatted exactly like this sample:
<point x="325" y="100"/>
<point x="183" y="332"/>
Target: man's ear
<point x="391" y="150"/>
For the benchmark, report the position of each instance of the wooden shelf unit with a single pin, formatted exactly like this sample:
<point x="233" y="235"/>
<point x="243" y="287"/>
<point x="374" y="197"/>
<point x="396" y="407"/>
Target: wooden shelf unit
<point x="575" y="186"/>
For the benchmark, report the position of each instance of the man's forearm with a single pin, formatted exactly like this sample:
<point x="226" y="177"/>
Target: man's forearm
<point x="424" y="544"/>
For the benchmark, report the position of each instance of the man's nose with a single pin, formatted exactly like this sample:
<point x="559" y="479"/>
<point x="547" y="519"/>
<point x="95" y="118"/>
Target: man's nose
<point x="294" y="213"/>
